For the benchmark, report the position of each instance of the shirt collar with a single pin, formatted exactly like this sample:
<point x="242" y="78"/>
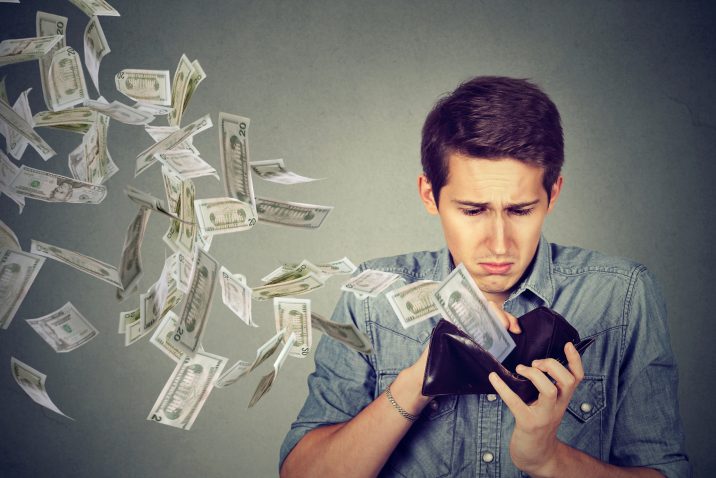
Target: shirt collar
<point x="537" y="279"/>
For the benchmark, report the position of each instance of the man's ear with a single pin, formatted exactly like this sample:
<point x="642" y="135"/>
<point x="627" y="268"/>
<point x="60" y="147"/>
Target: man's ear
<point x="556" y="189"/>
<point x="425" y="189"/>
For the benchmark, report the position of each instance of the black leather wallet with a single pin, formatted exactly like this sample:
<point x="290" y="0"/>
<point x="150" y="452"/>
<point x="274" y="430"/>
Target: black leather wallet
<point x="457" y="365"/>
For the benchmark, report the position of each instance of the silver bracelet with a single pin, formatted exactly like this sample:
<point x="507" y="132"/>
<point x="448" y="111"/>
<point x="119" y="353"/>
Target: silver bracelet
<point x="401" y="410"/>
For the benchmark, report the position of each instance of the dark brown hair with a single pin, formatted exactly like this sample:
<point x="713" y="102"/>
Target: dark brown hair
<point x="493" y="117"/>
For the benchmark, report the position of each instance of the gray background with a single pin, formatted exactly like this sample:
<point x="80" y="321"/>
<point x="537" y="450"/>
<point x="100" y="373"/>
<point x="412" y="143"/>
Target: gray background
<point x="339" y="90"/>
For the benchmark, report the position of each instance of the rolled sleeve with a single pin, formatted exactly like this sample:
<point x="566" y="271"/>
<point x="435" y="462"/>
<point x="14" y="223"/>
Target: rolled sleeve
<point x="648" y="430"/>
<point x="342" y="384"/>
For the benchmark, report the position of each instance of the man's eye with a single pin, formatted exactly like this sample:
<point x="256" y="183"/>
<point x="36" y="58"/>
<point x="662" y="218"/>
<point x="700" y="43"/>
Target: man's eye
<point x="522" y="212"/>
<point x="472" y="212"/>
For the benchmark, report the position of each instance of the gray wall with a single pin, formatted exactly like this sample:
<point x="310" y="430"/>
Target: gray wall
<point x="339" y="90"/>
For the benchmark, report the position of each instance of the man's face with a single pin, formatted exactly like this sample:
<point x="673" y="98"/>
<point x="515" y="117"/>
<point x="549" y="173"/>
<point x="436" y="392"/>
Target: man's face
<point x="492" y="213"/>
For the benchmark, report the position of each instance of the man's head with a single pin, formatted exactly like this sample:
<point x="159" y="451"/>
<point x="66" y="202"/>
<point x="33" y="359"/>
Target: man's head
<point x="492" y="152"/>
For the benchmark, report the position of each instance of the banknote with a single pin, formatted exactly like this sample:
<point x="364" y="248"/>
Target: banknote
<point x="146" y="157"/>
<point x="65" y="329"/>
<point x="96" y="48"/>
<point x="16" y="50"/>
<point x="16" y="142"/>
<point x="197" y="305"/>
<point x="463" y="303"/>
<point x="241" y="368"/>
<point x="294" y="214"/>
<point x="370" y="283"/>
<point x="14" y="122"/>
<point x="267" y="380"/>
<point x="414" y="303"/>
<point x="8" y="171"/>
<point x="234" y="154"/>
<point x="182" y="76"/>
<point x="299" y="271"/>
<point x="32" y="383"/>
<point x="236" y="295"/>
<point x="188" y="233"/>
<point x="77" y="164"/>
<point x="17" y="273"/>
<point x="81" y="262"/>
<point x="47" y="24"/>
<point x="162" y="337"/>
<point x="294" y="315"/>
<point x="300" y="286"/>
<point x="147" y="201"/>
<point x="186" y="164"/>
<point x="187" y="389"/>
<point x="223" y="215"/>
<point x="326" y="269"/>
<point x="3" y="90"/>
<point x="156" y="110"/>
<point x="197" y="76"/>
<point x="119" y="111"/>
<point x="149" y="87"/>
<point x="95" y="8"/>
<point x="95" y="157"/>
<point x="126" y="318"/>
<point x="77" y="120"/>
<point x="8" y="239"/>
<point x="46" y="186"/>
<point x="183" y="272"/>
<point x="275" y="171"/>
<point x="158" y="133"/>
<point x="160" y="298"/>
<point x="133" y="327"/>
<point x="66" y="80"/>
<point x="348" y="333"/>
<point x="130" y="265"/>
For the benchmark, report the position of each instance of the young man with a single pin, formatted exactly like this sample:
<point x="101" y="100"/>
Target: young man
<point x="492" y="153"/>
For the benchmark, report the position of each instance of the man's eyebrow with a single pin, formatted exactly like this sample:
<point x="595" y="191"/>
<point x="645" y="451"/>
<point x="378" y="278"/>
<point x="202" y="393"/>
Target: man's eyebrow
<point x="518" y="205"/>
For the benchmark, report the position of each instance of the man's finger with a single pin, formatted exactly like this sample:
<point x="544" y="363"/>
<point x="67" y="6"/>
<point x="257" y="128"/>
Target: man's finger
<point x="511" y="399"/>
<point x="574" y="361"/>
<point x="547" y="390"/>
<point x="566" y="382"/>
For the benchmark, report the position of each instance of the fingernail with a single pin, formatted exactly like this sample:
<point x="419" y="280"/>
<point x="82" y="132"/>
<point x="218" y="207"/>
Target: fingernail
<point x="535" y="363"/>
<point x="520" y="368"/>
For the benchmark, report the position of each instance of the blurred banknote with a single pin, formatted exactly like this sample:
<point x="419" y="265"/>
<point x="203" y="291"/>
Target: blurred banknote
<point x="346" y="333"/>
<point x="96" y="48"/>
<point x="81" y="262"/>
<point x="236" y="295"/>
<point x="267" y="380"/>
<point x="47" y="24"/>
<point x="32" y="383"/>
<point x="8" y="171"/>
<point x="8" y="239"/>
<point x="17" y="50"/>
<point x="294" y="315"/>
<point x="145" y="86"/>
<point x="370" y="283"/>
<point x="302" y="285"/>
<point x="241" y="368"/>
<point x="64" y="329"/>
<point x="16" y="142"/>
<point x="120" y="112"/>
<point x="17" y="124"/>
<point x="66" y="80"/>
<point x="294" y="214"/>
<point x="130" y="265"/>
<point x="95" y="8"/>
<point x="146" y="157"/>
<point x="223" y="215"/>
<point x="162" y="338"/>
<point x="77" y="120"/>
<point x="17" y="273"/>
<point x="275" y="171"/>
<point x="234" y="154"/>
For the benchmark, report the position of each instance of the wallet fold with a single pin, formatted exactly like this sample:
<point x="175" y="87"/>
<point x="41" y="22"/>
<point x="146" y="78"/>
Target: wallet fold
<point x="457" y="365"/>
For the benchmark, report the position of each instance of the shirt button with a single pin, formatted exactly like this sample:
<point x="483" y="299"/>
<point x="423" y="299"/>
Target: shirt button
<point x="487" y="457"/>
<point x="586" y="407"/>
<point x="491" y="397"/>
<point x="434" y="405"/>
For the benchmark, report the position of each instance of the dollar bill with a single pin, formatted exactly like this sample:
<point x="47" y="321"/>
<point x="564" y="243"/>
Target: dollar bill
<point x="275" y="171"/>
<point x="3" y="90"/>
<point x="294" y="214"/>
<point x="345" y="333"/>
<point x="162" y="337"/>
<point x="46" y="186"/>
<point x="16" y="142"/>
<point x="130" y="268"/>
<point x="8" y="171"/>
<point x="183" y="271"/>
<point x="299" y="271"/>
<point x="147" y="201"/>
<point x="223" y="215"/>
<point x="187" y="389"/>
<point x="95" y="8"/>
<point x="267" y="380"/>
<point x="241" y="368"/>
<point x="197" y="76"/>
<point x="32" y="383"/>
<point x="156" y="110"/>
<point x="126" y="318"/>
<point x="48" y="24"/>
<point x="294" y="315"/>
<point x="146" y="157"/>
<point x="149" y="87"/>
<point x="182" y="77"/>
<point x="8" y="239"/>
<point x="134" y="327"/>
<point x="370" y="283"/>
<point x="236" y="295"/>
<point x="300" y="286"/>
<point x="96" y="48"/>
<point x="16" y="50"/>
<point x="65" y="329"/>
<point x="197" y="305"/>
<point x="414" y="303"/>
<point x="186" y="164"/>
<point x="120" y="112"/>
<point x="81" y="262"/>
<point x="95" y="158"/>
<point x="66" y="80"/>
<point x="325" y="270"/>
<point x="463" y="303"/>
<point x="234" y="154"/>
<point x="76" y="120"/>
<point x="16" y="123"/>
<point x="17" y="273"/>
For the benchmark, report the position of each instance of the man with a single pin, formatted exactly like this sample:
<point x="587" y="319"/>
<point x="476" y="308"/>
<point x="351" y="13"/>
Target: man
<point x="492" y="153"/>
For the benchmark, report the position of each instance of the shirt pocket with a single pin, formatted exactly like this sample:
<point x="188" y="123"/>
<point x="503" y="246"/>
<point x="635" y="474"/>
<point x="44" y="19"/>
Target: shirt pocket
<point x="427" y="447"/>
<point x="582" y="423"/>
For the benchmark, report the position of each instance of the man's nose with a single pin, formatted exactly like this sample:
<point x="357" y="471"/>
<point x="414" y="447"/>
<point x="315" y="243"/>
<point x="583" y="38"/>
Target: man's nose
<point x="498" y="236"/>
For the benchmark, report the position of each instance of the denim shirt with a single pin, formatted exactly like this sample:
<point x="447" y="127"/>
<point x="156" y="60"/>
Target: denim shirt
<point x="625" y="411"/>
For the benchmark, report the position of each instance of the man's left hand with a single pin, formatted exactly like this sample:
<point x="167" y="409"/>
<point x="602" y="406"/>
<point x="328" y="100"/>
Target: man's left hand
<point x="534" y="445"/>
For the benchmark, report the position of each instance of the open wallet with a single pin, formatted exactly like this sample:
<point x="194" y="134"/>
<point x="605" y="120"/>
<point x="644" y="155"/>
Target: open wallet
<point x="457" y="365"/>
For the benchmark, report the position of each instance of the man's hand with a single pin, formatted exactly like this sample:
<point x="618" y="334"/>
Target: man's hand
<point x="534" y="445"/>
